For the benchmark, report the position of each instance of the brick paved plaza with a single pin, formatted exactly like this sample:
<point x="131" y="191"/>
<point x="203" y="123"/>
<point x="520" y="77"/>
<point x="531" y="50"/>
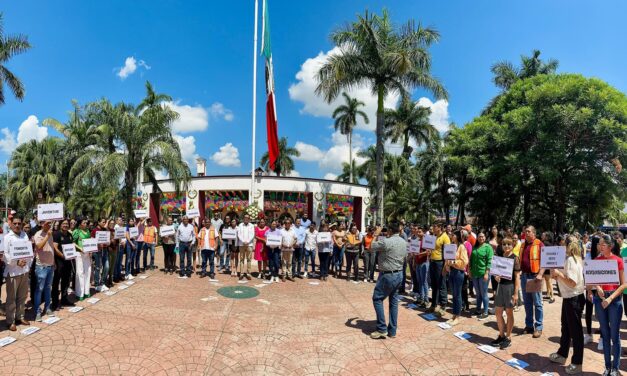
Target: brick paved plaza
<point x="165" y="325"/>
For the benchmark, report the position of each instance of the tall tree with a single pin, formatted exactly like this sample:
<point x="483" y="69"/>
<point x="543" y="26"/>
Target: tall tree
<point x="409" y="122"/>
<point x="11" y="45"/>
<point x="345" y="117"/>
<point x="284" y="163"/>
<point x="388" y="60"/>
<point x="349" y="172"/>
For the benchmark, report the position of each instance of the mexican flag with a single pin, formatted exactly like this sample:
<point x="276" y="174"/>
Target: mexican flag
<point x="271" y="119"/>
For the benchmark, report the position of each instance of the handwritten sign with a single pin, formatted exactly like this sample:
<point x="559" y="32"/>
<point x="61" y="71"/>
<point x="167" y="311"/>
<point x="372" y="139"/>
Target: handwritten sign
<point x="90" y="245"/>
<point x="502" y="267"/>
<point x="119" y="233"/>
<point x="166" y="231"/>
<point x="133" y="232"/>
<point x="69" y="251"/>
<point x="229" y="234"/>
<point x="552" y="257"/>
<point x="141" y="213"/>
<point x="103" y="237"/>
<point x="414" y="246"/>
<point x="600" y="272"/>
<point x="428" y="242"/>
<point x="324" y="237"/>
<point x="273" y="240"/>
<point x="193" y="213"/>
<point x="450" y="251"/>
<point x="50" y="212"/>
<point x="20" y="249"/>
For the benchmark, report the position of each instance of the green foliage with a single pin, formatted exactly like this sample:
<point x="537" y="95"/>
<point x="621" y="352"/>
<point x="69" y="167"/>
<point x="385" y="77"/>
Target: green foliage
<point x="284" y="163"/>
<point x="11" y="45"/>
<point x="345" y="117"/>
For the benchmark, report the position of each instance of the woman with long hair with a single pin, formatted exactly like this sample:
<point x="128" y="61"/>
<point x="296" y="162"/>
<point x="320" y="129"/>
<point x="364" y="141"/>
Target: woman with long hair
<point x="480" y="262"/>
<point x="456" y="269"/>
<point x="261" y="253"/>
<point x="506" y="297"/>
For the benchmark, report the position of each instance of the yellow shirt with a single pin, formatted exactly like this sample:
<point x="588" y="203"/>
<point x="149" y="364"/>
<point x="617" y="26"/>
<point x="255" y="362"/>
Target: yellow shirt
<point x="436" y="254"/>
<point x="516" y="249"/>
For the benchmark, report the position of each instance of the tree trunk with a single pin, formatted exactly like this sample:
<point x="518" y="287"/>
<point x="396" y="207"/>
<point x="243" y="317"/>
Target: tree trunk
<point x="350" y="155"/>
<point x="380" y="153"/>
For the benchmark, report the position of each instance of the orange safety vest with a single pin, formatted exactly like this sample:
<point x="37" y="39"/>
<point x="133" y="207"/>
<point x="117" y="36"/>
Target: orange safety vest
<point x="212" y="237"/>
<point x="149" y="235"/>
<point x="534" y="255"/>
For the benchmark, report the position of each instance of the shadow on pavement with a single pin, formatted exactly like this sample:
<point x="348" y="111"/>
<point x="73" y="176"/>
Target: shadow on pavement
<point x="366" y="326"/>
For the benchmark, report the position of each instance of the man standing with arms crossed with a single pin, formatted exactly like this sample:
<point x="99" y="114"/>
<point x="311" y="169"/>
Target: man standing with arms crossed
<point x="246" y="236"/>
<point x="392" y="252"/>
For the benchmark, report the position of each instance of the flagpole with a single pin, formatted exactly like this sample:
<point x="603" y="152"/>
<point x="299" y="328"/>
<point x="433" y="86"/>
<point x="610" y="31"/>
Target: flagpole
<point x="252" y="172"/>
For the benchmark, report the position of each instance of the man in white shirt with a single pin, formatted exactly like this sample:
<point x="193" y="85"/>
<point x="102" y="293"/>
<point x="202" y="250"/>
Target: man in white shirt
<point x="16" y="275"/>
<point x="304" y="221"/>
<point x="185" y="239"/>
<point x="246" y="237"/>
<point x="288" y="242"/>
<point x="216" y="221"/>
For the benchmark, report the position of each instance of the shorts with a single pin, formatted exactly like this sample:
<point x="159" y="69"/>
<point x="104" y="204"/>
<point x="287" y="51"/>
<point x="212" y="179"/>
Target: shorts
<point x="504" y="295"/>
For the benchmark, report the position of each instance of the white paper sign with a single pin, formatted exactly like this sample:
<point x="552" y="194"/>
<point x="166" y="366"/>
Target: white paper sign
<point x="90" y="245"/>
<point x="69" y="251"/>
<point x="75" y="309"/>
<point x="122" y="287"/>
<point x="600" y="272"/>
<point x="51" y="320"/>
<point x="193" y="213"/>
<point x="120" y="233"/>
<point x="414" y="246"/>
<point x="502" y="267"/>
<point x="166" y="231"/>
<point x="110" y="293"/>
<point x="103" y="237"/>
<point x="50" y="212"/>
<point x="21" y="249"/>
<point x="133" y="232"/>
<point x="93" y="300"/>
<point x="450" y="251"/>
<point x="324" y="237"/>
<point x="141" y="213"/>
<point x="552" y="257"/>
<point x="229" y="233"/>
<point x="30" y="330"/>
<point x="428" y="242"/>
<point x="444" y="325"/>
<point x="488" y="349"/>
<point x="273" y="240"/>
<point x="6" y="341"/>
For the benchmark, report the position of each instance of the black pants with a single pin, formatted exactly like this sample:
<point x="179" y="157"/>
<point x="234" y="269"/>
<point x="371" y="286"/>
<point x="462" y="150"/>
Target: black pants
<point x="414" y="277"/>
<point x="465" y="292"/>
<point x="61" y="275"/>
<point x="589" y="307"/>
<point x="169" y="258"/>
<point x="401" y="290"/>
<point x="572" y="309"/>
<point x="352" y="259"/>
<point x="33" y="282"/>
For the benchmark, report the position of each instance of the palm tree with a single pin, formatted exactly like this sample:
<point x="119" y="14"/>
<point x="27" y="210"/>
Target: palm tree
<point x="11" y="45"/>
<point x="408" y="122"/>
<point x="388" y="60"/>
<point x="142" y="144"/>
<point x="284" y="162"/>
<point x="346" y="119"/>
<point x="152" y="99"/>
<point x="37" y="172"/>
<point x="349" y="171"/>
<point x="506" y="74"/>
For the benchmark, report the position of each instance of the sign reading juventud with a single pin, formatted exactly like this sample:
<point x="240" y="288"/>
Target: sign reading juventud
<point x="50" y="212"/>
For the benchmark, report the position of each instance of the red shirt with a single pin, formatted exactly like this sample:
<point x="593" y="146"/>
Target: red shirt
<point x="621" y="267"/>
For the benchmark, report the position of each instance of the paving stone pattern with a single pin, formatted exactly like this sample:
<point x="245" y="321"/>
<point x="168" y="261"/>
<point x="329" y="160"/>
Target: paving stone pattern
<point x="164" y="325"/>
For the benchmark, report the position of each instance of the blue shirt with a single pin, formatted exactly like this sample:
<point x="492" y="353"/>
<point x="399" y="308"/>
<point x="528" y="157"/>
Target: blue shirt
<point x="300" y="234"/>
<point x="305" y="223"/>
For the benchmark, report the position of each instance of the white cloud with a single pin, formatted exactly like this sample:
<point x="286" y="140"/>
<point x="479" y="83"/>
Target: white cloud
<point x="191" y="118"/>
<point x="130" y="66"/>
<point x="304" y="91"/>
<point x="294" y="174"/>
<point x="28" y="130"/>
<point x="330" y="176"/>
<point x="308" y="153"/>
<point x="331" y="160"/>
<point x="219" y="111"/>
<point x="439" y="113"/>
<point x="227" y="156"/>
<point x="188" y="149"/>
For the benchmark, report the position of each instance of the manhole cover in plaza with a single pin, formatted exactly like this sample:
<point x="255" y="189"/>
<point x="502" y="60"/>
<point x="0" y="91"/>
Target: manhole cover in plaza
<point x="238" y="292"/>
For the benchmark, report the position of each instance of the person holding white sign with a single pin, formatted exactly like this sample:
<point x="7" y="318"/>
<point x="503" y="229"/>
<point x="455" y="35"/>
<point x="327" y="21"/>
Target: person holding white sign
<point x="572" y="288"/>
<point x="101" y="258"/>
<point x="506" y="297"/>
<point x="246" y="237"/>
<point x="169" y="243"/>
<point x="185" y="239"/>
<point x="83" y="262"/>
<point x="456" y="269"/>
<point x="16" y="275"/>
<point x="63" y="267"/>
<point x="274" y="252"/>
<point x="288" y="242"/>
<point x="325" y="249"/>
<point x="608" y="306"/>
<point x="44" y="269"/>
<point x="261" y="254"/>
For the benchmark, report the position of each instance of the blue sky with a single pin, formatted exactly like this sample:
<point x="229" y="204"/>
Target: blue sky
<point x="200" y="53"/>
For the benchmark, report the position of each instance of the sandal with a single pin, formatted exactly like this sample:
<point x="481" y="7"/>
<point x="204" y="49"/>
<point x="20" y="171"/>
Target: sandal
<point x="557" y="358"/>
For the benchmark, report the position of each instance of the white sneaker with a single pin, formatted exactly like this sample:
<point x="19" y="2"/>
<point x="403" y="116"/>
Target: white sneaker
<point x="131" y="277"/>
<point x="126" y="278"/>
<point x="277" y="280"/>
<point x="587" y="338"/>
<point x="260" y="276"/>
<point x="305" y="275"/>
<point x="69" y="290"/>
<point x="600" y="346"/>
<point x="104" y="288"/>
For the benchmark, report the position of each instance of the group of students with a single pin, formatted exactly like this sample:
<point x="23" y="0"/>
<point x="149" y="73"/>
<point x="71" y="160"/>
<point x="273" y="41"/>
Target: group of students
<point x="49" y="274"/>
<point x="471" y="267"/>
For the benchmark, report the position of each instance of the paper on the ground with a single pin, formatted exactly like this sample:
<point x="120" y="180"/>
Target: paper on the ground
<point x="143" y="276"/>
<point x="260" y="285"/>
<point x="30" y="330"/>
<point x="75" y="309"/>
<point x="314" y="283"/>
<point x="110" y="293"/>
<point x="444" y="325"/>
<point x="93" y="300"/>
<point x="263" y="301"/>
<point x="51" y="320"/>
<point x="488" y="349"/>
<point x="122" y="287"/>
<point x="462" y="335"/>
<point x="267" y="282"/>
<point x="209" y="298"/>
<point x="213" y="280"/>
<point x="547" y="374"/>
<point x="355" y="282"/>
<point x="6" y="340"/>
<point x="182" y="277"/>
<point x="428" y="316"/>
<point x="130" y="283"/>
<point x="517" y="363"/>
<point x="242" y="282"/>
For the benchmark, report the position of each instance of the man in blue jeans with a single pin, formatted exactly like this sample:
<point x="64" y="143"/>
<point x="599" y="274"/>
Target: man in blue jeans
<point x="530" y="266"/>
<point x="392" y="252"/>
<point x="299" y="250"/>
<point x="185" y="239"/>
